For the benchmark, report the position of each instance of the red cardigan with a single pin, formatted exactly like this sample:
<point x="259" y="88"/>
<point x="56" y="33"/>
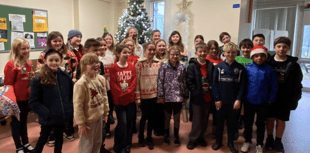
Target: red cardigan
<point x="19" y="78"/>
<point x="117" y="75"/>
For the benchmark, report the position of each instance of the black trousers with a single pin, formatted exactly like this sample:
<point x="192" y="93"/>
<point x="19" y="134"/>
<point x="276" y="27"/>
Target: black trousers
<point x="111" y="106"/>
<point x="159" y="118"/>
<point x="229" y="114"/>
<point x="176" y="108"/>
<point x="45" y="132"/>
<point x="19" y="128"/>
<point x="249" y="115"/>
<point x="147" y="107"/>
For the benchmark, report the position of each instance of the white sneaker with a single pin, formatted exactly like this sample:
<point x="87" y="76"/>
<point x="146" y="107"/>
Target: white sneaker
<point x="20" y="150"/>
<point x="259" y="149"/>
<point x="245" y="147"/>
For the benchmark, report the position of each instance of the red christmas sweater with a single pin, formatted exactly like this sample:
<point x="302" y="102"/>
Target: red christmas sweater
<point x="204" y="74"/>
<point x="214" y="60"/>
<point x="133" y="59"/>
<point x="19" y="78"/>
<point x="118" y="75"/>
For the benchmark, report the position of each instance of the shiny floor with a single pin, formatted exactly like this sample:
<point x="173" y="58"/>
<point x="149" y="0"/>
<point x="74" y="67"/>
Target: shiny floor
<point x="296" y="138"/>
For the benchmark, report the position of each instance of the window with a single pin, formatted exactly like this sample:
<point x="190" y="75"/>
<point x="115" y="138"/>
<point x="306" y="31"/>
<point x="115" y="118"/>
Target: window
<point x="158" y="16"/>
<point x="306" y="42"/>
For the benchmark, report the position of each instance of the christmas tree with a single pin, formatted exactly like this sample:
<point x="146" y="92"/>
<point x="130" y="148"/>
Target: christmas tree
<point x="134" y="16"/>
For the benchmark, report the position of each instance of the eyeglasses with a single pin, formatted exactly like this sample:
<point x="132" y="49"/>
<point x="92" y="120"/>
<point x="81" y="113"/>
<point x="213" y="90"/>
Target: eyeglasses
<point x="177" y="55"/>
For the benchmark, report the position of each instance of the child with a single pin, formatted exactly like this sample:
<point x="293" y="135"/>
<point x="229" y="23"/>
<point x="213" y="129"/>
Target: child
<point x="146" y="91"/>
<point x="69" y="65"/>
<point x="175" y="39"/>
<point x="133" y="34"/>
<point x="90" y="103"/>
<point x="258" y="40"/>
<point x="133" y="59"/>
<point x="224" y="38"/>
<point x="155" y="36"/>
<point x="74" y="43"/>
<point x="213" y="55"/>
<point x="198" y="82"/>
<point x="161" y="50"/>
<point x="18" y="72"/>
<point x="123" y="83"/>
<point x="191" y="53"/>
<point x="261" y="90"/>
<point x="289" y="76"/>
<point x="172" y="91"/>
<point x="159" y="119"/>
<point x="107" y="61"/>
<point x="91" y="46"/>
<point x="228" y="90"/>
<point x="51" y="98"/>
<point x="110" y="44"/>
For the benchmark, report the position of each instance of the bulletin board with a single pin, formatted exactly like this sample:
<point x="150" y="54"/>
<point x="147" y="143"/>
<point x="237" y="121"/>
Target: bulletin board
<point x="27" y="26"/>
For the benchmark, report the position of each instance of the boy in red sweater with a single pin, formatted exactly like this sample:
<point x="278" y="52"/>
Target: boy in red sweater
<point x="123" y="83"/>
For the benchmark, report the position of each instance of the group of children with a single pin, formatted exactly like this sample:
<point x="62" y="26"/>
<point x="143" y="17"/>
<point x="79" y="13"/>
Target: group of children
<point x="89" y="82"/>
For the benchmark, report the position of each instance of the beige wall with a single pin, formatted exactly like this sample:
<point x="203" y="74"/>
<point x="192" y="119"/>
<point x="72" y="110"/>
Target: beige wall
<point x="210" y="18"/>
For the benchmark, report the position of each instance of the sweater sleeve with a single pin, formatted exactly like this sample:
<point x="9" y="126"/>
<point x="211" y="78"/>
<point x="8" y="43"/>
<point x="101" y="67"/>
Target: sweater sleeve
<point x="297" y="87"/>
<point x="160" y="82"/>
<point x="105" y="96"/>
<point x="274" y="86"/>
<point x="114" y="84"/>
<point x="190" y="78"/>
<point x="137" y="90"/>
<point x="36" y="99"/>
<point x="10" y="73"/>
<point x="241" y="92"/>
<point x="215" y="86"/>
<point x="185" y="90"/>
<point x="78" y="103"/>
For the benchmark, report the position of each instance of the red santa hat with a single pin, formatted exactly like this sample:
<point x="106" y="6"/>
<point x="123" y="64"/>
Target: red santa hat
<point x="259" y="49"/>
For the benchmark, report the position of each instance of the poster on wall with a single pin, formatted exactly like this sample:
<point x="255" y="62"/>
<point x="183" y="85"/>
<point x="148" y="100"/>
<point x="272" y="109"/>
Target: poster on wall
<point x="3" y="36"/>
<point x="3" y="24"/>
<point x="17" y="17"/>
<point x="17" y="26"/>
<point x="39" y="24"/>
<point x="1" y="45"/>
<point x="42" y="42"/>
<point x="15" y="35"/>
<point x="29" y="36"/>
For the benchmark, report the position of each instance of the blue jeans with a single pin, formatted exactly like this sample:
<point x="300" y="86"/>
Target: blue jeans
<point x="123" y="130"/>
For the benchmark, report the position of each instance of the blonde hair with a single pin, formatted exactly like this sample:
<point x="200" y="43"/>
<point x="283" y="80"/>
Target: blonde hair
<point x="230" y="46"/>
<point x="165" y="56"/>
<point x="88" y="59"/>
<point x="127" y="40"/>
<point x="14" y="53"/>
<point x="135" y="42"/>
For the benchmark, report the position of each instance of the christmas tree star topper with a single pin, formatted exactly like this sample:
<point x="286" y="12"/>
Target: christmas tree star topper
<point x="183" y="5"/>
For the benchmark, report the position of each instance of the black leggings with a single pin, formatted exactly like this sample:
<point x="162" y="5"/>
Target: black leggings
<point x="147" y="108"/>
<point x="19" y="128"/>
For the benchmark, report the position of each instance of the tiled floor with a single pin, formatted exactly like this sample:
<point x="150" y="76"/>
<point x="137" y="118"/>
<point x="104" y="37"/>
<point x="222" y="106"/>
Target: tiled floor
<point x="296" y="138"/>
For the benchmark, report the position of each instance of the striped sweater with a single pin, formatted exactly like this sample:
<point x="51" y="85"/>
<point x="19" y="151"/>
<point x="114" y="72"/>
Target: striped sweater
<point x="147" y="74"/>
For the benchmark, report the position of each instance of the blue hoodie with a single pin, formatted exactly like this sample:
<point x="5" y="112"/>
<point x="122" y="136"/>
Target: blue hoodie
<point x="262" y="85"/>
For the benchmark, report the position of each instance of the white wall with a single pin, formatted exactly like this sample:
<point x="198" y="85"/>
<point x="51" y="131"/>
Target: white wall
<point x="60" y="18"/>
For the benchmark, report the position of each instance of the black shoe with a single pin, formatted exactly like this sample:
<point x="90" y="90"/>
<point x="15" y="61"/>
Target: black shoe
<point x="202" y="142"/>
<point x="141" y="142"/>
<point x="237" y="136"/>
<point x="28" y="148"/>
<point x="191" y="145"/>
<point x="216" y="146"/>
<point x="166" y="141"/>
<point x="108" y="134"/>
<point x="158" y="133"/>
<point x="269" y="143"/>
<point x="177" y="142"/>
<point x="111" y="119"/>
<point x="232" y="147"/>
<point x="279" y="146"/>
<point x="149" y="141"/>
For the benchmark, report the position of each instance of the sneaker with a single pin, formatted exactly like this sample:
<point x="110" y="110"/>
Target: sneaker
<point x="28" y="148"/>
<point x="269" y="143"/>
<point x="259" y="149"/>
<point x="279" y="146"/>
<point x="51" y="143"/>
<point x="177" y="142"/>
<point x="20" y="150"/>
<point x="191" y="145"/>
<point x="149" y="141"/>
<point x="245" y="147"/>
<point x="166" y="141"/>
<point x="68" y="137"/>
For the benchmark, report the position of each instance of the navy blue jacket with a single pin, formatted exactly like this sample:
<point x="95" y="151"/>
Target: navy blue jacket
<point x="54" y="105"/>
<point x="229" y="82"/>
<point x="194" y="81"/>
<point x="262" y="84"/>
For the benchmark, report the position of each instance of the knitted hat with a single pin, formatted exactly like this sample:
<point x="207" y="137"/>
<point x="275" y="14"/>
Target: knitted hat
<point x="73" y="33"/>
<point x="259" y="49"/>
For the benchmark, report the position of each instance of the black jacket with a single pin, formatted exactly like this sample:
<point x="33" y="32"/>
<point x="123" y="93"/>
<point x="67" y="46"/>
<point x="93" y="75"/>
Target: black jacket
<point x="194" y="81"/>
<point x="289" y="92"/>
<point x="54" y="105"/>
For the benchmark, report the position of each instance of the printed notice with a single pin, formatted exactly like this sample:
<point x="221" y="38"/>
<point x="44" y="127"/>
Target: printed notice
<point x="40" y="24"/>
<point x="15" y="35"/>
<point x="41" y="34"/>
<point x="1" y="45"/>
<point x="40" y="13"/>
<point x="17" y="26"/>
<point x="3" y="24"/>
<point x="29" y="36"/>
<point x="3" y="36"/>
<point x="17" y="17"/>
